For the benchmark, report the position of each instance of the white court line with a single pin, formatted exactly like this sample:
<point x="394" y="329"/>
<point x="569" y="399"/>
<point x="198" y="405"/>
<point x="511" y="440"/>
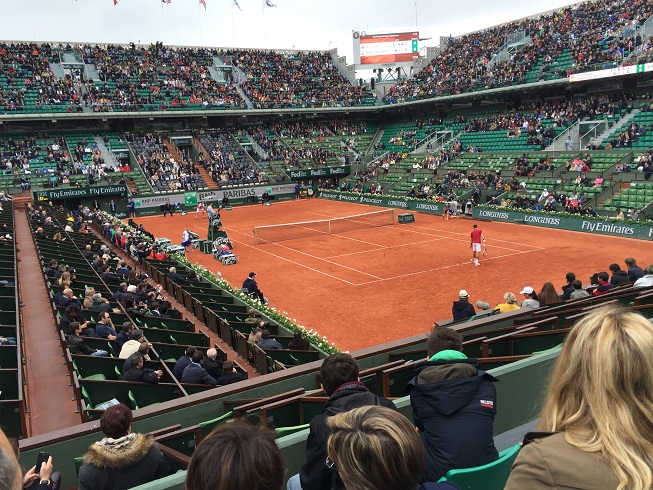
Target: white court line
<point x="468" y="264"/>
<point x="410" y="230"/>
<point x="436" y="239"/>
<point x="258" y="249"/>
<point x="314" y="257"/>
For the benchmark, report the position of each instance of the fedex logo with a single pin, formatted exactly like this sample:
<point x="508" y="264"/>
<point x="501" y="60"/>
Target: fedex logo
<point x="487" y="403"/>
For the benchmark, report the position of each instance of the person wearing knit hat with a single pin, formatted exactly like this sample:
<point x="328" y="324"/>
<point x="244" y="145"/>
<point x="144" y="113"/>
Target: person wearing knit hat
<point x="462" y="309"/>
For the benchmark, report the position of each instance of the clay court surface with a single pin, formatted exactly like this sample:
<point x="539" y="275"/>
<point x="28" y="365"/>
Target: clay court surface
<point x="362" y="288"/>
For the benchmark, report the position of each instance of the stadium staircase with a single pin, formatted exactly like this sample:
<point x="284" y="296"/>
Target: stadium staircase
<point x="210" y="183"/>
<point x="106" y="153"/>
<point x="241" y="92"/>
<point x="560" y="141"/>
<point x="377" y="138"/>
<point x="623" y="121"/>
<point x="437" y="139"/>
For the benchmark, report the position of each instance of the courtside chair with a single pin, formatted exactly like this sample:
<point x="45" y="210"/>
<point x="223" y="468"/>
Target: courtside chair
<point x="491" y="476"/>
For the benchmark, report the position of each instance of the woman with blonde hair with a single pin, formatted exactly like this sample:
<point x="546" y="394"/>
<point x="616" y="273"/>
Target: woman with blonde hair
<point x="66" y="278"/>
<point x="510" y="304"/>
<point x="597" y="421"/>
<point x="376" y="447"/>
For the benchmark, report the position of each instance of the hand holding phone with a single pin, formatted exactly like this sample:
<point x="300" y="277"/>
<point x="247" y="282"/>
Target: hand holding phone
<point x="40" y="459"/>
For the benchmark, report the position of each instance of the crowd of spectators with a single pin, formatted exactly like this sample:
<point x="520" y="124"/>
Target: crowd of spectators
<point x="277" y="79"/>
<point x="158" y="76"/>
<point x="590" y="31"/>
<point x="227" y="162"/>
<point x="163" y="171"/>
<point x="26" y="78"/>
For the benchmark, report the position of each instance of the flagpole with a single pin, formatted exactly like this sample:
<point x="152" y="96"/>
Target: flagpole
<point x="233" y="25"/>
<point x="163" y="22"/>
<point x="199" y="19"/>
<point x="265" y="29"/>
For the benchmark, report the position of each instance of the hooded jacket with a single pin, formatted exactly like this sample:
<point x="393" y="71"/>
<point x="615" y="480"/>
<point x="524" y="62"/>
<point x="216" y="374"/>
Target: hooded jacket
<point x="454" y="404"/>
<point x="116" y="468"/>
<point x="619" y="277"/>
<point x="462" y="309"/>
<point x="314" y="474"/>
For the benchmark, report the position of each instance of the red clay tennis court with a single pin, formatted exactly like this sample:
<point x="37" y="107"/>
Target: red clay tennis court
<point x="364" y="287"/>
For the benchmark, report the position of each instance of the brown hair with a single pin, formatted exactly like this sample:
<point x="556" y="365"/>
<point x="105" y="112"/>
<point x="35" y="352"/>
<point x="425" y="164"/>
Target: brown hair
<point x="443" y="338"/>
<point x="236" y="456"/>
<point x="116" y="421"/>
<point x="336" y="370"/>
<point x="548" y="295"/>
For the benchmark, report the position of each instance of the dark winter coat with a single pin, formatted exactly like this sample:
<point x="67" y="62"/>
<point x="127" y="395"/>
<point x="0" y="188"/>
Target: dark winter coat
<point x="454" y="404"/>
<point x="314" y="475"/>
<point x="461" y="310"/>
<point x="105" y="468"/>
<point x="619" y="277"/>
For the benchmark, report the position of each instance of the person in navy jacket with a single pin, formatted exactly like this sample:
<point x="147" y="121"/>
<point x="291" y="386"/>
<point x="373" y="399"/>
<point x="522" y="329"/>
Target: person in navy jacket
<point x="195" y="373"/>
<point x="454" y="404"/>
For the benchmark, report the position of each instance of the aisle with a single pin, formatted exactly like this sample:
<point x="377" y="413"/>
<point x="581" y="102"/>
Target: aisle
<point x="49" y="396"/>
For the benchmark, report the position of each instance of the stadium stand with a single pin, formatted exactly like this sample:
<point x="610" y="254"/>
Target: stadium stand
<point x="582" y="37"/>
<point x="283" y="79"/>
<point x="157" y="77"/>
<point x="226" y="161"/>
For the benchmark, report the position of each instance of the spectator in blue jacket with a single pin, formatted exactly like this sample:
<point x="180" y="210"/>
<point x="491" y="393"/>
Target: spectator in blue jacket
<point x="454" y="404"/>
<point x="462" y="309"/>
<point x="183" y="362"/>
<point x="195" y="373"/>
<point x="268" y="342"/>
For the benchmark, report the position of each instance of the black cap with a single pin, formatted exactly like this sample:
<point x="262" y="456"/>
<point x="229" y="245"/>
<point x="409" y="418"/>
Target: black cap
<point x="252" y="274"/>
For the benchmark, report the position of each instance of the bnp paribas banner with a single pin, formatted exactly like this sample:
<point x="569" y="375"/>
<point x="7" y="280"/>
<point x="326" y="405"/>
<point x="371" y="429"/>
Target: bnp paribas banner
<point x="192" y="198"/>
<point x="588" y="225"/>
<point x="157" y="200"/>
<point x="385" y="201"/>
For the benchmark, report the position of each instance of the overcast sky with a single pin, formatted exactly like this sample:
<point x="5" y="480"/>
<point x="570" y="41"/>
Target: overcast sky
<point x="298" y="24"/>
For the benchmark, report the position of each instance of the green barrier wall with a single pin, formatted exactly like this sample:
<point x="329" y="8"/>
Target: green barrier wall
<point x="584" y="224"/>
<point x="422" y="206"/>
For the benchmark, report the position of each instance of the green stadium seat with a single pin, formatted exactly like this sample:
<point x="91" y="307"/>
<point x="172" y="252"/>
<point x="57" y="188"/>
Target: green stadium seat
<point x="492" y="476"/>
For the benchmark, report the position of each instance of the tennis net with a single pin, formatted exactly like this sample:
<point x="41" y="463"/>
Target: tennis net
<point x="304" y="229"/>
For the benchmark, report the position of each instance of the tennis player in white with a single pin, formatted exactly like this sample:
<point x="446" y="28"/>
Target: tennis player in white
<point x="200" y="209"/>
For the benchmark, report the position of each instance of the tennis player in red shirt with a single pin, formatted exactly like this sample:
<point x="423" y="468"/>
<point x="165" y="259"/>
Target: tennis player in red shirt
<point x="477" y="239"/>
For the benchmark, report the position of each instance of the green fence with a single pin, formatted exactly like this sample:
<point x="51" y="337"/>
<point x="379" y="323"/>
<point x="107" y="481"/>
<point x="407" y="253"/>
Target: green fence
<point x="585" y="224"/>
<point x="421" y="205"/>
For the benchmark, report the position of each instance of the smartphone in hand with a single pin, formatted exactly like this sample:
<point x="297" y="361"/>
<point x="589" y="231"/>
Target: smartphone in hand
<point x="41" y="458"/>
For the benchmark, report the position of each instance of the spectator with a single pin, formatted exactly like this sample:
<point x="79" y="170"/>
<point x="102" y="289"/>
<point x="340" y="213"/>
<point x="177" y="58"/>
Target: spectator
<point x="11" y="477"/>
<point x="268" y="342"/>
<point x="183" y="362"/>
<point x="123" y="336"/>
<point x="634" y="271"/>
<point x="375" y="447"/>
<point x="618" y="276"/>
<point x="298" y="342"/>
<point x="237" y="456"/>
<point x="212" y="365"/>
<point x="229" y="374"/>
<point x="195" y="372"/>
<point x="122" y="459"/>
<point x="647" y="279"/>
<point x="579" y="292"/>
<point x="139" y="373"/>
<point x="339" y="375"/>
<point x="568" y="288"/>
<point x="604" y="284"/>
<point x="548" y="295"/>
<point x="510" y="304"/>
<point x="136" y="338"/>
<point x="98" y="303"/>
<point x="255" y="335"/>
<point x="531" y="300"/>
<point x="455" y="428"/>
<point x="251" y="286"/>
<point x="605" y="364"/>
<point x="104" y="328"/>
<point x="173" y="276"/>
<point x="77" y="345"/>
<point x="251" y="316"/>
<point x="462" y="309"/>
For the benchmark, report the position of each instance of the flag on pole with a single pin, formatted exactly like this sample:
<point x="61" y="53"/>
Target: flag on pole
<point x="166" y="1"/>
<point x="270" y="4"/>
<point x="203" y="2"/>
<point x="115" y="2"/>
<point x="237" y="5"/>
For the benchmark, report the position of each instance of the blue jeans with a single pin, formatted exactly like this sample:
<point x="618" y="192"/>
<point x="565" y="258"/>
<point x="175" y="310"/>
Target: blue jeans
<point x="9" y="341"/>
<point x="100" y="353"/>
<point x="294" y="483"/>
